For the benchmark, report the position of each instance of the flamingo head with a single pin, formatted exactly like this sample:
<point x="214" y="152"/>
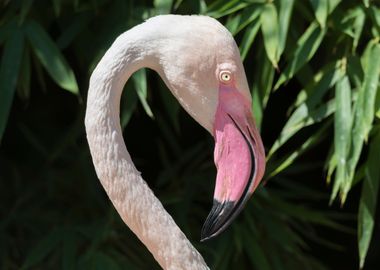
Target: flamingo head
<point x="200" y="62"/>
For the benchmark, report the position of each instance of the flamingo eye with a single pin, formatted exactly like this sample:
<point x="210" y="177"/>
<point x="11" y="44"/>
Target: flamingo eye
<point x="225" y="76"/>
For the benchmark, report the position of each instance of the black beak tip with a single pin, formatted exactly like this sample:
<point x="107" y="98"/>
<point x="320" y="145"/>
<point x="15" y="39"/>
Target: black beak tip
<point x="220" y="217"/>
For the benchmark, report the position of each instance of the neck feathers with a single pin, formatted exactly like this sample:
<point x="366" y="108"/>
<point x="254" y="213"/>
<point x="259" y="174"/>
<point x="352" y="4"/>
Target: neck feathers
<point x="132" y="198"/>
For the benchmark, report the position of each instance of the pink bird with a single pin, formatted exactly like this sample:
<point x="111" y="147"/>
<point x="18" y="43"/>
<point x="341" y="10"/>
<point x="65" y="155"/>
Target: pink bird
<point x="200" y="63"/>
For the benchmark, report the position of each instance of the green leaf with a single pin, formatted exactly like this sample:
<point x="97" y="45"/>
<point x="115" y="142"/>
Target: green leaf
<point x="288" y="160"/>
<point x="306" y="47"/>
<point x="285" y="12"/>
<point x="51" y="58"/>
<point x="139" y="80"/>
<point x="358" y="26"/>
<point x="342" y="130"/>
<point x="306" y="103"/>
<point x="370" y="85"/>
<point x="163" y="6"/>
<point x="248" y="38"/>
<point x="375" y="16"/>
<point x="302" y="118"/>
<point x="237" y="23"/>
<point x="377" y="104"/>
<point x="364" y="109"/>
<point x="368" y="199"/>
<point x="9" y="72"/>
<point x="269" y="28"/>
<point x="222" y="8"/>
<point x="262" y="85"/>
<point x="321" y="10"/>
<point x="322" y="81"/>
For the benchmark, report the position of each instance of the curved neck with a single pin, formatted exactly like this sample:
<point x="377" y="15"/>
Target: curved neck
<point x="132" y="198"/>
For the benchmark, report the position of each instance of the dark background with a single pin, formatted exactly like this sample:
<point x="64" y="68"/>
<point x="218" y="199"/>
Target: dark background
<point x="54" y="213"/>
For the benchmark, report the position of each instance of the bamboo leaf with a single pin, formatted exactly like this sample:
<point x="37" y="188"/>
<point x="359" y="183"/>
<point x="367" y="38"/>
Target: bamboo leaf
<point x="342" y="130"/>
<point x="222" y="8"/>
<point x="368" y="199"/>
<point x="307" y="101"/>
<point x="358" y="26"/>
<point x="269" y="28"/>
<point x="364" y="109"/>
<point x="371" y="81"/>
<point x="262" y="85"/>
<point x="285" y="12"/>
<point x="9" y="72"/>
<point x="163" y="6"/>
<point x="139" y="80"/>
<point x="51" y="58"/>
<point x="306" y="47"/>
<point x="288" y="160"/>
<point x="248" y="38"/>
<point x="321" y="10"/>
<point x="237" y="23"/>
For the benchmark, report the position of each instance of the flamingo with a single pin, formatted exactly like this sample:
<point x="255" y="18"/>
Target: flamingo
<point x="199" y="62"/>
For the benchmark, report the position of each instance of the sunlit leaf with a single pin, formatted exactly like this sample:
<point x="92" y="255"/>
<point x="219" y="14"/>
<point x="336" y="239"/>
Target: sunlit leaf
<point x="248" y="38"/>
<point x="285" y="12"/>
<point x="306" y="103"/>
<point x="364" y="109"/>
<point x="342" y="130"/>
<point x="289" y="159"/>
<point x="9" y="72"/>
<point x="221" y="8"/>
<point x="368" y="198"/>
<point x="51" y="58"/>
<point x="269" y="28"/>
<point x="358" y="26"/>
<point x="237" y="23"/>
<point x="321" y="10"/>
<point x="307" y="45"/>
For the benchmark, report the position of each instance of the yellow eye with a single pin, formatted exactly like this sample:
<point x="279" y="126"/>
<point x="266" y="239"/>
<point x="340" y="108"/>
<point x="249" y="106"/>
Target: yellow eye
<point x="225" y="76"/>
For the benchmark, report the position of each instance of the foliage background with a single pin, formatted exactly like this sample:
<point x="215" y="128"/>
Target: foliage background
<point x="314" y="69"/>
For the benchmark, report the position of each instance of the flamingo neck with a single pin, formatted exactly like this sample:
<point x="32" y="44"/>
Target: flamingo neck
<point x="133" y="199"/>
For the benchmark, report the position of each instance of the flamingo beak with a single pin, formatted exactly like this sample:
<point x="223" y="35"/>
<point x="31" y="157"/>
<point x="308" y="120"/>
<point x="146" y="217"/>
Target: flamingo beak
<point x="239" y="157"/>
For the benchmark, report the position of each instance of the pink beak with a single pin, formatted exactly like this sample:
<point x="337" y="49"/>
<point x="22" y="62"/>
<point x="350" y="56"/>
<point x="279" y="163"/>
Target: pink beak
<point x="239" y="157"/>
